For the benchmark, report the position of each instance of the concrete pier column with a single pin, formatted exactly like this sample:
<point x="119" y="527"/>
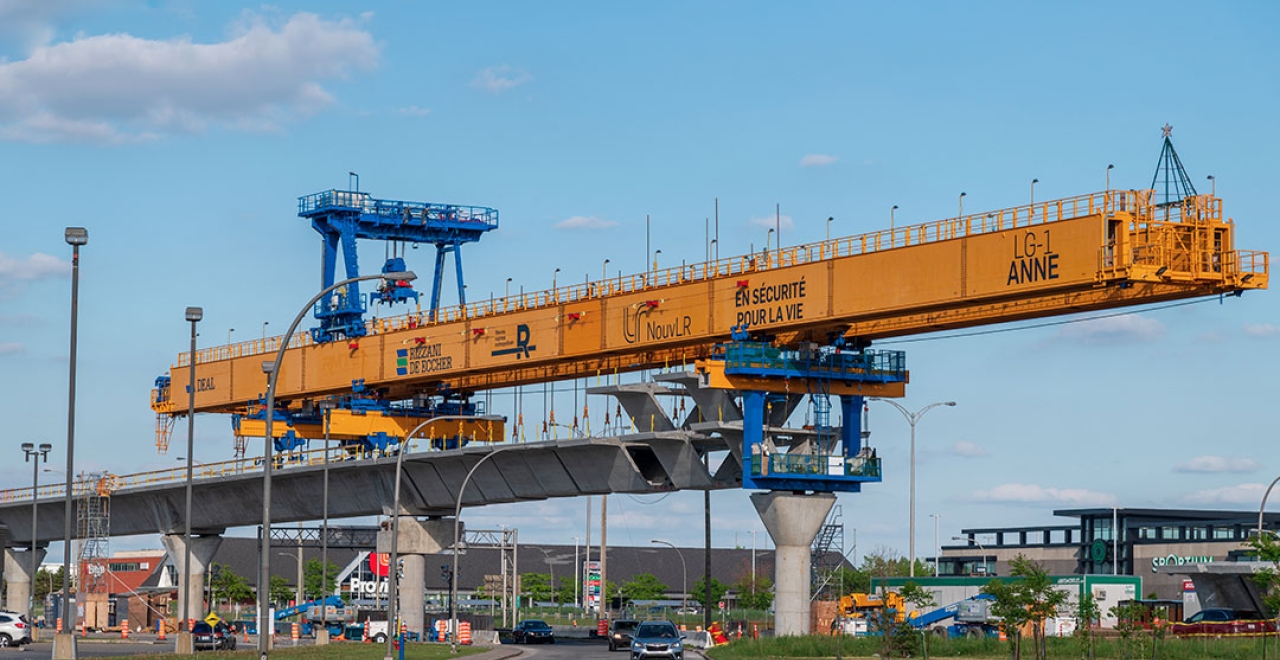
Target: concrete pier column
<point x="413" y="592"/>
<point x="793" y="522"/>
<point x="17" y="572"/>
<point x="417" y="538"/>
<point x="203" y="548"/>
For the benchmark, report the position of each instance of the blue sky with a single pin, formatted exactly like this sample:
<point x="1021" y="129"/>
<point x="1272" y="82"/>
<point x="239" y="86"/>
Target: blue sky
<point x="181" y="134"/>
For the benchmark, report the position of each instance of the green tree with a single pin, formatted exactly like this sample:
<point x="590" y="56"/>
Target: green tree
<point x="1042" y="600"/>
<point x="699" y="594"/>
<point x="280" y="590"/>
<point x="1087" y="612"/>
<point x="1267" y="549"/>
<point x="1129" y="617"/>
<point x="643" y="586"/>
<point x="225" y="585"/>
<point x="565" y="594"/>
<point x="917" y="598"/>
<point x="535" y="586"/>
<point x="47" y="582"/>
<point x="318" y="583"/>
<point x="756" y="595"/>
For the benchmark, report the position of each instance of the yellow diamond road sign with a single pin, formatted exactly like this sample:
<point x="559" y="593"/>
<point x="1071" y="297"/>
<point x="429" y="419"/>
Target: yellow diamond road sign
<point x="212" y="619"/>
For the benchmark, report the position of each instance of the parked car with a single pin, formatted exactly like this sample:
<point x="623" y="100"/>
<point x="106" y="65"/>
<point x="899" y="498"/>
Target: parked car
<point x="1216" y="621"/>
<point x="218" y="637"/>
<point x="533" y="631"/>
<point x="620" y="632"/>
<point x="14" y="629"/>
<point x="657" y="639"/>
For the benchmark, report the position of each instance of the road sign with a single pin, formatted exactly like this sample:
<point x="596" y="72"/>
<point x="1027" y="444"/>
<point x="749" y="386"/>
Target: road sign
<point x="212" y="619"/>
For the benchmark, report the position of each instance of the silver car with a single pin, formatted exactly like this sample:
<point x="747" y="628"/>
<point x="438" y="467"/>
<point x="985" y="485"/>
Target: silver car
<point x="657" y="639"/>
<point x="14" y="629"/>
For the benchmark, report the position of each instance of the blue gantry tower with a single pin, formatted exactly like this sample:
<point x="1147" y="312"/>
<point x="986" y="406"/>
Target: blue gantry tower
<point x="342" y="216"/>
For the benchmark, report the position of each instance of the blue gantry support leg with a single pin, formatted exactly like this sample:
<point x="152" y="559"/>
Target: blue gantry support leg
<point x="457" y="261"/>
<point x="435" y="284"/>
<point x="851" y="424"/>
<point x="753" y="438"/>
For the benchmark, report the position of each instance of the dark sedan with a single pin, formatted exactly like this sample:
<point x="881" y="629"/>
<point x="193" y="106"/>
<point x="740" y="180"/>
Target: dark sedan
<point x="533" y="631"/>
<point x="218" y="637"/>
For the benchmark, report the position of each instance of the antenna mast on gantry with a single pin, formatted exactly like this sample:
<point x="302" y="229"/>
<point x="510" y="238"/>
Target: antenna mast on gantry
<point x="1171" y="180"/>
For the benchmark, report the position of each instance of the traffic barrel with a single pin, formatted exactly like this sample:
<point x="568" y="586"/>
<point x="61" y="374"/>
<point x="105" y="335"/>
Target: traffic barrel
<point x="464" y="632"/>
<point x="124" y="631"/>
<point x="294" y="633"/>
<point x="58" y="626"/>
<point x="160" y="630"/>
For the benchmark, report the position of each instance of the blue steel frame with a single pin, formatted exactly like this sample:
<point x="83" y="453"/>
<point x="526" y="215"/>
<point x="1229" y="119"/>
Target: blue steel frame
<point x="342" y="216"/>
<point x="843" y="470"/>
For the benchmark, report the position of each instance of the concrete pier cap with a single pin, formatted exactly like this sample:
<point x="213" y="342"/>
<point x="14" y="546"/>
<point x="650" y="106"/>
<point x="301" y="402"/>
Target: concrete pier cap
<point x="792" y="520"/>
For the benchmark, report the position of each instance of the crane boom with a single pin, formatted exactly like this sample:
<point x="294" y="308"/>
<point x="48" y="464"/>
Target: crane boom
<point x="1104" y="250"/>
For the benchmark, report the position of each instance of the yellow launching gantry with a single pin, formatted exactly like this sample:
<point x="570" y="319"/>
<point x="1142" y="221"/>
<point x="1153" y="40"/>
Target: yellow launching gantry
<point x="1106" y="250"/>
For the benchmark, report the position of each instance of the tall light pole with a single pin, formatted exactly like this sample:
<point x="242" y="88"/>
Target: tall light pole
<point x="1213" y="185"/>
<point x="322" y="637"/>
<point x="684" y="572"/>
<point x="42" y="454"/>
<point x="546" y="557"/>
<point x="829" y="219"/>
<point x="892" y="211"/>
<point x="229" y="331"/>
<point x="912" y="418"/>
<point x="264" y="328"/>
<point x="185" y="645"/>
<point x="604" y="270"/>
<point x="961" y="202"/>
<point x="655" y="263"/>
<point x="1109" y="168"/>
<point x="1264" y="503"/>
<point x="457" y="533"/>
<point x="1033" y="191"/>
<point x="936" y="549"/>
<point x="273" y="372"/>
<point x="553" y="279"/>
<point x="395" y="529"/>
<point x="65" y="644"/>
<point x="974" y="541"/>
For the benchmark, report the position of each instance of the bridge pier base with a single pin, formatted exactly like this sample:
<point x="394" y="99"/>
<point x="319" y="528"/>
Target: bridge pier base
<point x="17" y="572"/>
<point x="202" y="550"/>
<point x="417" y="539"/>
<point x="793" y="522"/>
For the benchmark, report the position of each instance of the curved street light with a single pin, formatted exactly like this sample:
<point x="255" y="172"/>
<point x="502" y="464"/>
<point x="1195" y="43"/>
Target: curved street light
<point x="395" y="520"/>
<point x="272" y="370"/>
<point x="684" y="587"/>
<point x="1264" y="503"/>
<point x="973" y="541"/>
<point x="912" y="418"/>
<point x="457" y="531"/>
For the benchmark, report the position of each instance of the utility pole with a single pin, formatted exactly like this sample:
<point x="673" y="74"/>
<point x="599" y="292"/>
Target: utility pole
<point x="604" y="543"/>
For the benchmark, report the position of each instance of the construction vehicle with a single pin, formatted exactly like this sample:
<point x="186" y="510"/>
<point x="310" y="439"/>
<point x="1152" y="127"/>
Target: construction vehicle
<point x="864" y="614"/>
<point x="774" y="325"/>
<point x="972" y="619"/>
<point x="331" y="610"/>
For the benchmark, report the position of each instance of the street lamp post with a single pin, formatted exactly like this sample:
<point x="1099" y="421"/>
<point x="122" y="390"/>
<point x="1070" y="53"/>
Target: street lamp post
<point x="1033" y="191"/>
<point x="42" y="454"/>
<point x="185" y="645"/>
<point x="395" y="528"/>
<point x="961" y="202"/>
<point x="322" y="637"/>
<point x="65" y="644"/>
<point x="912" y="418"/>
<point x="457" y="531"/>
<point x="273" y="372"/>
<point x="1109" y="168"/>
<point x="1264" y="503"/>
<point x="684" y="572"/>
<point x="1213" y="185"/>
<point x="892" y="211"/>
<point x="546" y="557"/>
<point x="974" y="541"/>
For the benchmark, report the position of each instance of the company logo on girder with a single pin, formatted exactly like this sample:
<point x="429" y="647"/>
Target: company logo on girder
<point x="520" y="349"/>
<point x="422" y="359"/>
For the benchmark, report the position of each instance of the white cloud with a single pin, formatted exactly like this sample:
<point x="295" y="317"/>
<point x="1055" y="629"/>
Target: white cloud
<point x="414" y="111"/>
<point x="771" y="221"/>
<point x="1218" y="464"/>
<point x="1242" y="494"/>
<point x="38" y="266"/>
<point x="11" y="348"/>
<point x="967" y="449"/>
<point x="498" y="79"/>
<point x="817" y="160"/>
<point x="1031" y="493"/>
<point x="585" y="222"/>
<point x="1261" y="330"/>
<point x="1112" y="331"/>
<point x="116" y="88"/>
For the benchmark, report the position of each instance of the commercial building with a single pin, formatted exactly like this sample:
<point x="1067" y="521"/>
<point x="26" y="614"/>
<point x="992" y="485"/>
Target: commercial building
<point x="1111" y="541"/>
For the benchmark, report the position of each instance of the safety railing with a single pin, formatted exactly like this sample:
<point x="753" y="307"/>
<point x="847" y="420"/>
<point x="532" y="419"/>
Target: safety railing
<point x="1137" y="202"/>
<point x="812" y="465"/>
<point x="406" y="212"/>
<point x="759" y="357"/>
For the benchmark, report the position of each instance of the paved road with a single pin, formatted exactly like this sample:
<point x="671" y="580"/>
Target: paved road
<point x="575" y="649"/>
<point x="44" y="650"/>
